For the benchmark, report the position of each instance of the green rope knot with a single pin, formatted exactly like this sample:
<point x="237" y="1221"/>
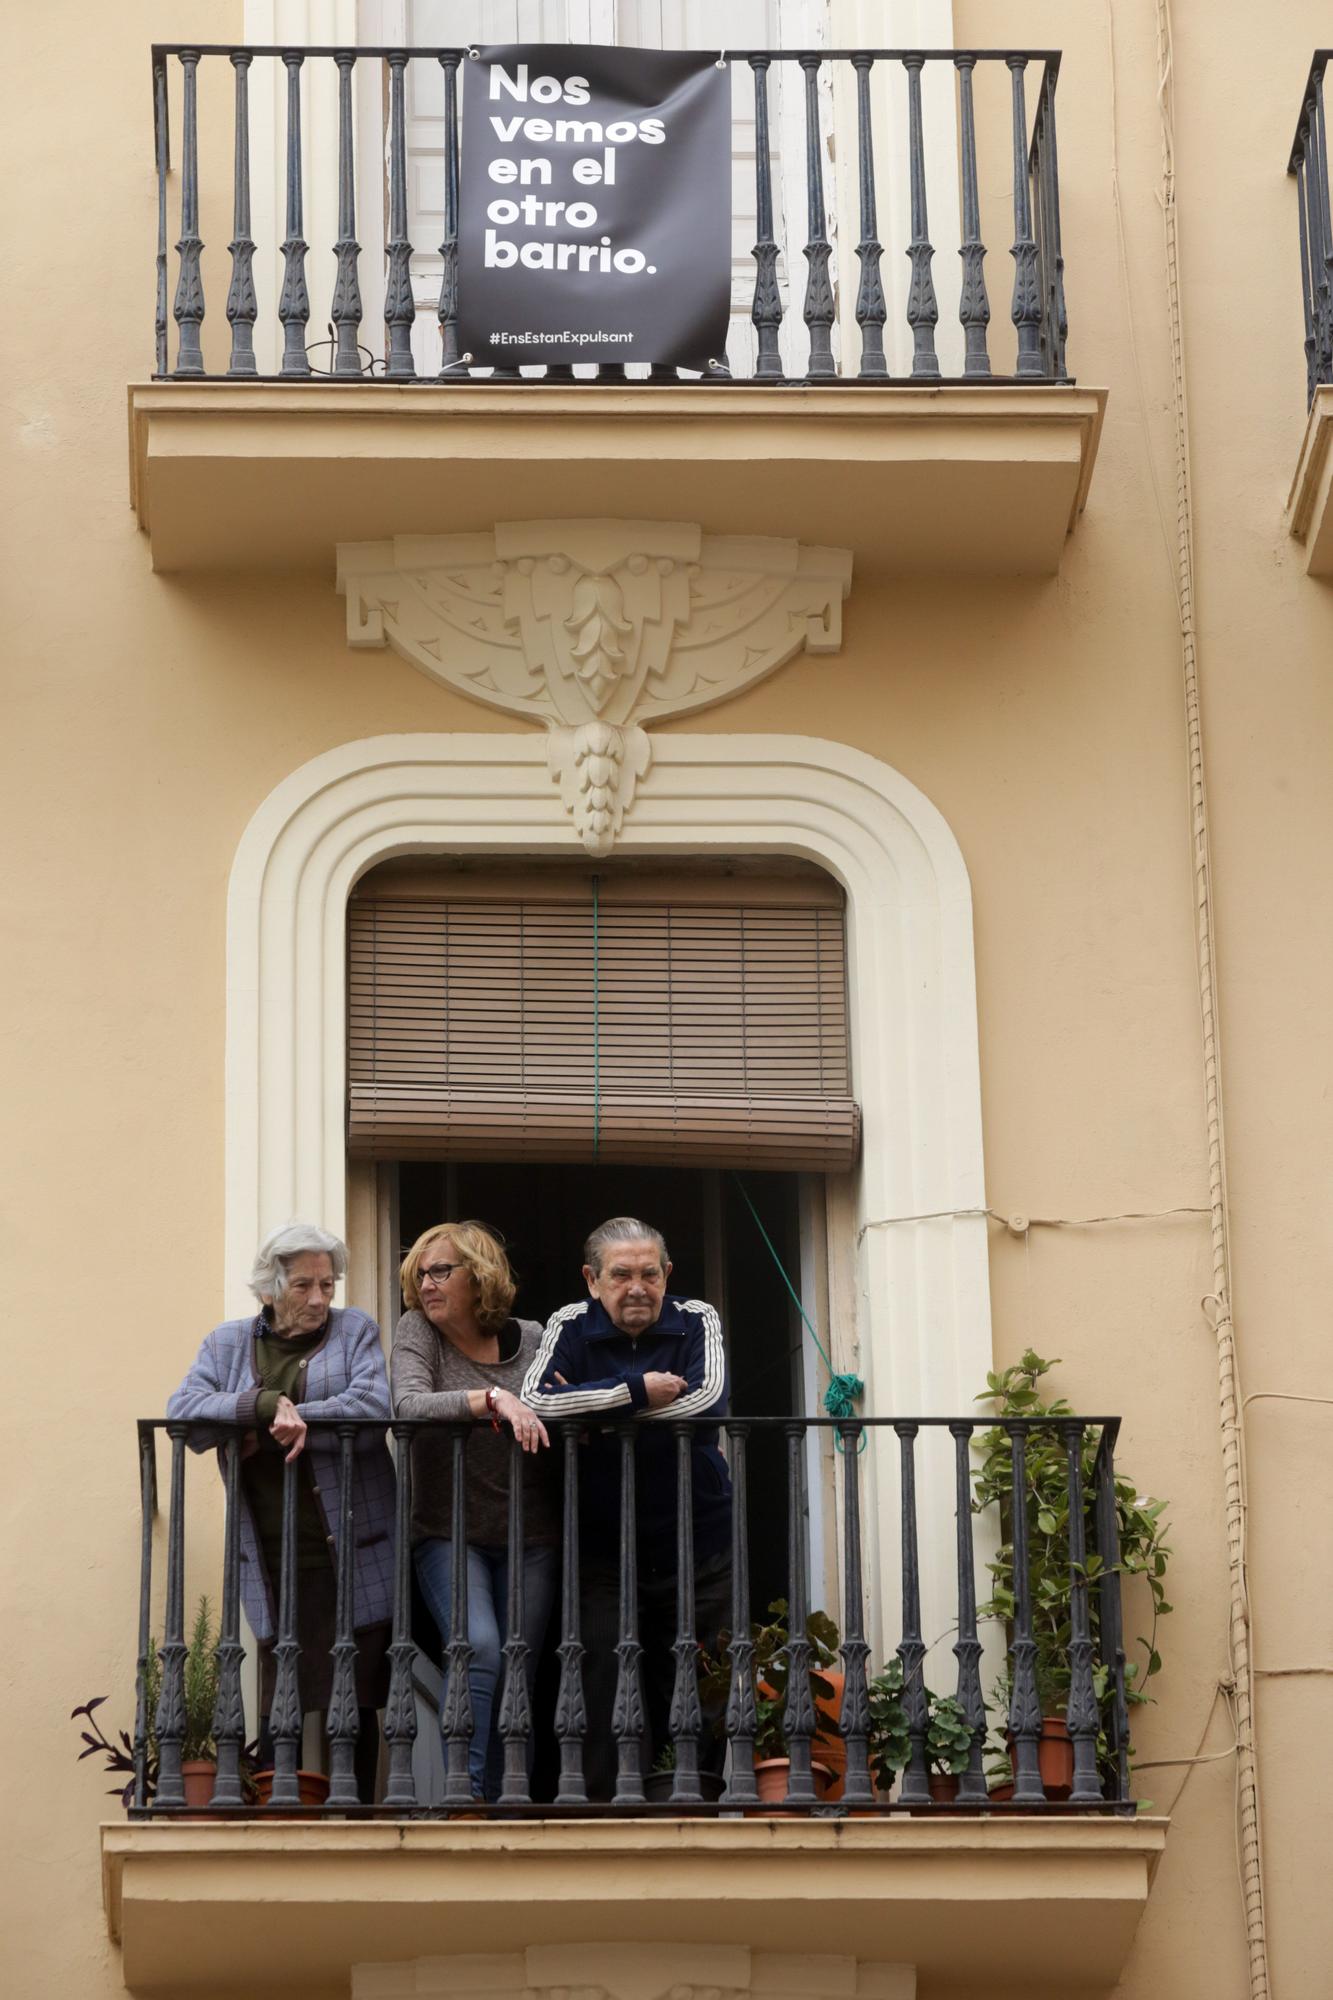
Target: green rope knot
<point x="841" y="1396"/>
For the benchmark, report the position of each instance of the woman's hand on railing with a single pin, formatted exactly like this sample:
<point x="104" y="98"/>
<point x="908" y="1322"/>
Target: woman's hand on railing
<point x="289" y="1428"/>
<point x="526" y="1425"/>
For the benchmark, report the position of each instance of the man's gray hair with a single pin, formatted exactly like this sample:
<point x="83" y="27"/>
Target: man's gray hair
<point x="621" y="1229"/>
<point x="268" y="1278"/>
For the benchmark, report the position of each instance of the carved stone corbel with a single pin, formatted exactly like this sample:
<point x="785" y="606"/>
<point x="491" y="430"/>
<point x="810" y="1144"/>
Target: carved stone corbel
<point x="597" y="629"/>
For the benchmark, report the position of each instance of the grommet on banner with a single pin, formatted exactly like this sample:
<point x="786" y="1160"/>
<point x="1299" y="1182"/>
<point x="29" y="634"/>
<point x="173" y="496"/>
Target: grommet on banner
<point x="721" y="62"/>
<point x="465" y="357"/>
<point x="474" y="55"/>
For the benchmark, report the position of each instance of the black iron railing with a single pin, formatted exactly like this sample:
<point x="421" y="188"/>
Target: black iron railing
<point x="1087" y="1620"/>
<point x="1037" y="297"/>
<point x="1309" y="165"/>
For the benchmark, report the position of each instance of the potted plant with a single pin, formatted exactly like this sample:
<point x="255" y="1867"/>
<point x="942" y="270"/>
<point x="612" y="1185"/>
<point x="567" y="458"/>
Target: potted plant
<point x="660" y="1783"/>
<point x="948" y="1737"/>
<point x="198" y="1749"/>
<point x="771" y="1670"/>
<point x="1143" y="1552"/>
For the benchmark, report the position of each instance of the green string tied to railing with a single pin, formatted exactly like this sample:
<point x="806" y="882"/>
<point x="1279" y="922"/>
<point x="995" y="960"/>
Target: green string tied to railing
<point x="844" y="1390"/>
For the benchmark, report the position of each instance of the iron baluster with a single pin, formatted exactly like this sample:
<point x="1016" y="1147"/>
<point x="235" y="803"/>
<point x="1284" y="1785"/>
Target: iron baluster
<point x="1302" y="173"/>
<point x="1110" y="1631"/>
<point x="343" y="1721"/>
<point x="400" y="1710"/>
<point x="871" y="311"/>
<point x="1325" y="233"/>
<point x="766" y="311"/>
<point x="1318" y="276"/>
<point x="286" y="1717"/>
<point x="457" y="1721"/>
<point x="242" y="310"/>
<point x="449" y="358"/>
<point x="1081" y="1713"/>
<point x="399" y="305"/>
<point x="515" y="1707"/>
<point x="294" y="300"/>
<point x="171" y="1700"/>
<point x="686" y="1714"/>
<point x="345" y="311"/>
<point x="915" y="1787"/>
<point x="160" y="150"/>
<point x="627" y="1713"/>
<point x="967" y="1646"/>
<point x="742" y="1719"/>
<point x="147" y="1502"/>
<point x="798" y="1716"/>
<point x="571" y="1719"/>
<point x="1026" y="311"/>
<point x="1025" y="1697"/>
<point x="818" y="313"/>
<point x="188" y="309"/>
<point x="1058" y="311"/>
<point x="973" y="304"/>
<point x="855" y="1717"/>
<point x="922" y="310"/>
<point x="229" y="1707"/>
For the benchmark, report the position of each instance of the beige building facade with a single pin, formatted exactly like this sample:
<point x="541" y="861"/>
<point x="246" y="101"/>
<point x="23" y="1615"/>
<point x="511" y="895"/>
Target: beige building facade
<point x="1035" y="672"/>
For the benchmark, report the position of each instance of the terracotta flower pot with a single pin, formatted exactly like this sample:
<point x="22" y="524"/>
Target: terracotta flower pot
<point x="943" y="1787"/>
<point x="198" y="1776"/>
<point x="1055" y="1757"/>
<point x="314" y="1787"/>
<point x="1002" y="1793"/>
<point x="770" y="1778"/>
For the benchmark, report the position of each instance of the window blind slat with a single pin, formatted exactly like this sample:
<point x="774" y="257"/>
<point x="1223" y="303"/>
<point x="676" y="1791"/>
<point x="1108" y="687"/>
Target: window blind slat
<point x="721" y="1032"/>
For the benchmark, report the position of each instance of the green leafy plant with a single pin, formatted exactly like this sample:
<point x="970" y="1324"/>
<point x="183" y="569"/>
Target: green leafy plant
<point x="771" y="1672"/>
<point x="948" y="1738"/>
<point x="1143" y="1550"/>
<point x="200" y="1681"/>
<point x="664" y="1763"/>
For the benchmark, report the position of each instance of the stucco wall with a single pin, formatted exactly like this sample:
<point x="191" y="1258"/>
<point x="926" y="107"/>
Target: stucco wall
<point x="147" y="718"/>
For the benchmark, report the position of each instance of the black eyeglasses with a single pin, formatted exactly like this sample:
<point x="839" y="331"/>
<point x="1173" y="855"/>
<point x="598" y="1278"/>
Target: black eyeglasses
<point x="439" y="1274"/>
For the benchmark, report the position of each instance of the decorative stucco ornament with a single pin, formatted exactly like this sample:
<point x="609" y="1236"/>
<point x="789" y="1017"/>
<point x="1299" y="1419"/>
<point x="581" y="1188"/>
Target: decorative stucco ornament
<point x="596" y="628"/>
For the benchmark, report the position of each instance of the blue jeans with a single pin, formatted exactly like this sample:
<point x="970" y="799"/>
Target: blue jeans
<point x="487" y="1611"/>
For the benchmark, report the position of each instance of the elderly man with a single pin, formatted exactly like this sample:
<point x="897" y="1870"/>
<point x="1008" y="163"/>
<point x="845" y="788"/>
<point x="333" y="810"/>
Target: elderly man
<point x="632" y="1349"/>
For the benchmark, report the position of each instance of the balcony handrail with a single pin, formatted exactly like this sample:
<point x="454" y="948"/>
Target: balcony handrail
<point x="1038" y="309"/>
<point x="1097" y="1723"/>
<point x="1308" y="164"/>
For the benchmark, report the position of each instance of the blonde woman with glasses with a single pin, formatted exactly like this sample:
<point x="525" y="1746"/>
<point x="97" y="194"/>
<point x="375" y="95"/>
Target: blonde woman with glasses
<point x="459" y="1353"/>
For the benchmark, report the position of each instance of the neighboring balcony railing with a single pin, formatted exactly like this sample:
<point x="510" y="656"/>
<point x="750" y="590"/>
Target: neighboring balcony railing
<point x="1063" y="1629"/>
<point x="1309" y="165"/>
<point x="1026" y="152"/>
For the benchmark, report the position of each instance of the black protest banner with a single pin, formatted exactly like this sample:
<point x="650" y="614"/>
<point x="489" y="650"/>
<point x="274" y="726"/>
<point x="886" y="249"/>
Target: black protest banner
<point x="594" y="207"/>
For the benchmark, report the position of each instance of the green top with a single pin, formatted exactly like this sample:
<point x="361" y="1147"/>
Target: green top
<point x="281" y="1360"/>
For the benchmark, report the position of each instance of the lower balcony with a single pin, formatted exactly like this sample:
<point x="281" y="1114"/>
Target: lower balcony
<point x="684" y="1755"/>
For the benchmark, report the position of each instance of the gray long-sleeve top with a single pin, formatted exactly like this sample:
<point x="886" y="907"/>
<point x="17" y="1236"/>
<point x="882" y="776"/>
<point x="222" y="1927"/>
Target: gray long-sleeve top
<point x="431" y="1379"/>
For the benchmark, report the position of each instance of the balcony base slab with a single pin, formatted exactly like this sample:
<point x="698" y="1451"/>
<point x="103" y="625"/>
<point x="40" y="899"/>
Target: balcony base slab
<point x="1310" y="502"/>
<point x="213" y="1909"/>
<point x="954" y="480"/>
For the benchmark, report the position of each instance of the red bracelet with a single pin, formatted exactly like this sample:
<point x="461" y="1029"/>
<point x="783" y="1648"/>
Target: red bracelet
<point x="490" y="1407"/>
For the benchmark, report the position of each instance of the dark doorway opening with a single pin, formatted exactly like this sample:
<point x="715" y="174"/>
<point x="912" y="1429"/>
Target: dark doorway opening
<point x="717" y="1251"/>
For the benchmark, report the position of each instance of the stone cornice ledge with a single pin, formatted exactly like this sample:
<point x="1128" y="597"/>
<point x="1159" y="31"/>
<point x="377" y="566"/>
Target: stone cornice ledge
<point x="1053" y="1903"/>
<point x="1309" y="508"/>
<point x="983" y="478"/>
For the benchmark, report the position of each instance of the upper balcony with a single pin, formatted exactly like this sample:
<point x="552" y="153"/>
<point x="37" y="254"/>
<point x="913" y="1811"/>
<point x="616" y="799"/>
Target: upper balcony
<point x="911" y="1834"/>
<point x="883" y="386"/>
<point x="1310" y="504"/>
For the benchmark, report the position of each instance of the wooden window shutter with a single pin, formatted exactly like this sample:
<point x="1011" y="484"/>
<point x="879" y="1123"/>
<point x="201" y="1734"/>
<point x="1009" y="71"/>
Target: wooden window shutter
<point x="682" y="1033"/>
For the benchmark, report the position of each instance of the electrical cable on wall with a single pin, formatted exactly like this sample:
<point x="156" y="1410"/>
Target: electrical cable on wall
<point x="1239" y="1690"/>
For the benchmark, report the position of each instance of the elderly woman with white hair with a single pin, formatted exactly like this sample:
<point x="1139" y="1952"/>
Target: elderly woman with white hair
<point x="298" y="1358"/>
